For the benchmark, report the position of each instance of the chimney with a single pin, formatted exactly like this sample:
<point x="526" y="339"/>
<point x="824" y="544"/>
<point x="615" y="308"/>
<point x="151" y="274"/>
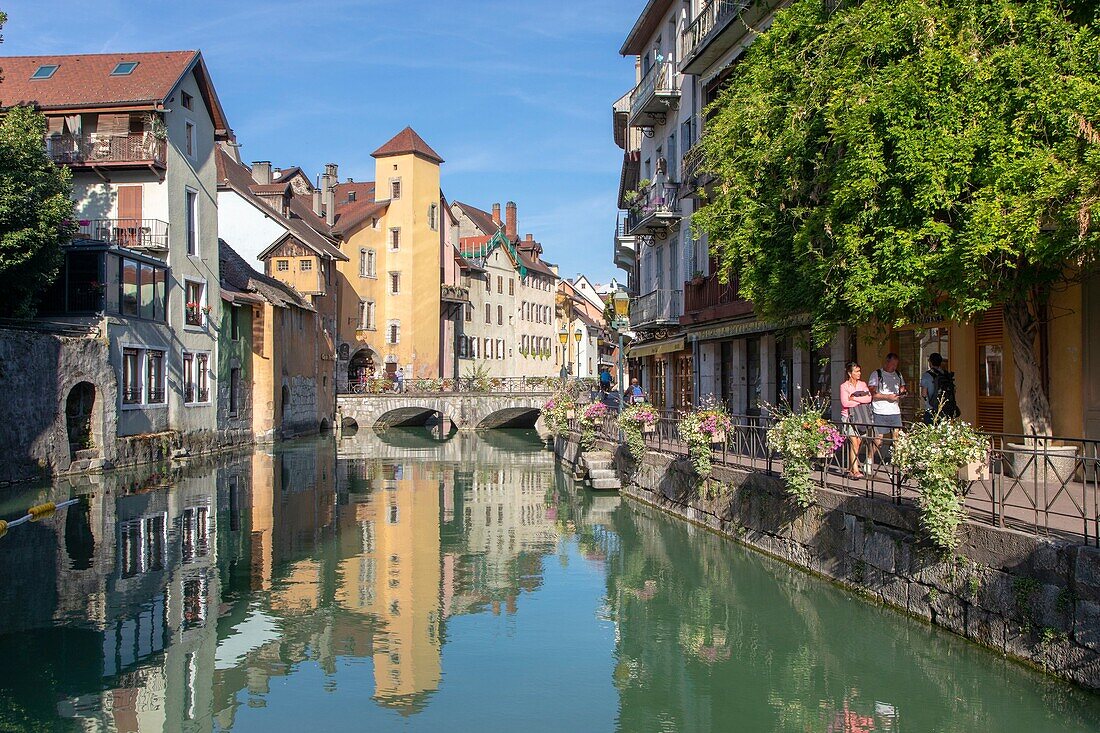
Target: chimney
<point x="530" y="237"/>
<point x="496" y="214"/>
<point x="261" y="172"/>
<point x="328" y="185"/>
<point x="510" y="224"/>
<point x="318" y="205"/>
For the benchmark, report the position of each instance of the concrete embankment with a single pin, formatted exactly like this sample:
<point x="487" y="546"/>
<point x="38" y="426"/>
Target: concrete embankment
<point x="1028" y="597"/>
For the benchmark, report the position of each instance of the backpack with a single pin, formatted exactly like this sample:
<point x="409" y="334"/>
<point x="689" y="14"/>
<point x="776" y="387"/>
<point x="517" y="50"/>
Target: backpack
<point x="942" y="397"/>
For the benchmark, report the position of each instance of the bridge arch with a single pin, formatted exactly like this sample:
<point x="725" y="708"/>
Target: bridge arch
<point x="510" y="417"/>
<point x="409" y="415"/>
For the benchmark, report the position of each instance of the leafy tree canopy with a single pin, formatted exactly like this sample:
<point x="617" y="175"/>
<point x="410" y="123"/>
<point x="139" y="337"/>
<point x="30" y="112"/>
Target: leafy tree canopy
<point x="896" y="160"/>
<point x="35" y="211"/>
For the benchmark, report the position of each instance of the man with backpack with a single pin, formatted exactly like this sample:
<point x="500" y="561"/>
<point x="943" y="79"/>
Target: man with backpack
<point x="937" y="388"/>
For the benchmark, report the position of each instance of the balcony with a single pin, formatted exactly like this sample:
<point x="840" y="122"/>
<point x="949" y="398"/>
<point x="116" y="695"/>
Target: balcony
<point x="656" y="309"/>
<point x="454" y="294"/>
<point x="141" y="234"/>
<point x="690" y="174"/>
<point x="136" y="149"/>
<point x="655" y="209"/>
<point x="656" y="94"/>
<point x="713" y="33"/>
<point x="625" y="247"/>
<point x="708" y="299"/>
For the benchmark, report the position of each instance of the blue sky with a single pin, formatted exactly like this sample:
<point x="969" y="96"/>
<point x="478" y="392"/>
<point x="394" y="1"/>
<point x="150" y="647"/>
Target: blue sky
<point x="516" y="96"/>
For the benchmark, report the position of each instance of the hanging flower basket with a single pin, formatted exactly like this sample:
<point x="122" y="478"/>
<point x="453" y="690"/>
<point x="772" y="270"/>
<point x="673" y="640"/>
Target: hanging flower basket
<point x="718" y="437"/>
<point x="973" y="471"/>
<point x="649" y="428"/>
<point x="570" y="414"/>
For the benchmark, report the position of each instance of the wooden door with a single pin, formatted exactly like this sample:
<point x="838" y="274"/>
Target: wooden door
<point x="989" y="339"/>
<point x="128" y="228"/>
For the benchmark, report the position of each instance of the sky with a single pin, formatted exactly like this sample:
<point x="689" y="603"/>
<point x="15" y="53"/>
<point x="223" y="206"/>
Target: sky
<point x="515" y="96"/>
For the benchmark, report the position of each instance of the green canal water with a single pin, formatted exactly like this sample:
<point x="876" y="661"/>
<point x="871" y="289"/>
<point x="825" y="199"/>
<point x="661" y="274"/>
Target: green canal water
<point x="396" y="582"/>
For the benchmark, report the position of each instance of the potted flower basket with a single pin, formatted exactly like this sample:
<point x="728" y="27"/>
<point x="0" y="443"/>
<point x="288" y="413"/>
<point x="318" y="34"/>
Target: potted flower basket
<point x="649" y="428"/>
<point x="973" y="471"/>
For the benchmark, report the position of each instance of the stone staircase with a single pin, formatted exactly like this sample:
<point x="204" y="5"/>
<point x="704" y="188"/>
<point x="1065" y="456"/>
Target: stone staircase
<point x="600" y="467"/>
<point x="87" y="460"/>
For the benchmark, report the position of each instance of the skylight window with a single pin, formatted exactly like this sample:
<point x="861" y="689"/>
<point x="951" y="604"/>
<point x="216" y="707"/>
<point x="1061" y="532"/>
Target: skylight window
<point x="44" y="72"/>
<point x="124" y="68"/>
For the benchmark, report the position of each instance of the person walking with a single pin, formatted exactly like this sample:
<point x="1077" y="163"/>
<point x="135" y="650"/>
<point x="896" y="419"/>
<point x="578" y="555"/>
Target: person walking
<point x="399" y="380"/>
<point x="887" y="387"/>
<point x="855" y="413"/>
<point x="937" y="390"/>
<point x="605" y="380"/>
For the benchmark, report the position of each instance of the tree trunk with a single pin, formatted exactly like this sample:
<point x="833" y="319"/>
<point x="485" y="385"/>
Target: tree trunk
<point x="1022" y="325"/>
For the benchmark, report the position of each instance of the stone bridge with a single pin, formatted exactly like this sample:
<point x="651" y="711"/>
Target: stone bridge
<point x="466" y="410"/>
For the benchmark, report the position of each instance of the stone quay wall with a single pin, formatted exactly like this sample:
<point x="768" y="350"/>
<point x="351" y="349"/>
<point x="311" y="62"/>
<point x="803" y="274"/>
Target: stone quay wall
<point x="1030" y="598"/>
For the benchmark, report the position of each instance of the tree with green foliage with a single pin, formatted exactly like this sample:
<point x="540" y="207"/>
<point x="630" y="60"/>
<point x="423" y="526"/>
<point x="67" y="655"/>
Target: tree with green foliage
<point x="894" y="161"/>
<point x="36" y="211"/>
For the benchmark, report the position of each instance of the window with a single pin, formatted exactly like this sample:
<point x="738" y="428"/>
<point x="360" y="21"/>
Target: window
<point x="189" y="138"/>
<point x="131" y="377"/>
<point x="500" y="315"/>
<point x="282" y="265"/>
<point x="366" y="315"/>
<point x="511" y="286"/>
<point x="195" y="297"/>
<point x="142" y="376"/>
<point x="192" y="223"/>
<point x="305" y="265"/>
<point x="469" y="312"/>
<point x="395" y="283"/>
<point x="500" y="284"/>
<point x="124" y="68"/>
<point x="187" y="100"/>
<point x="488" y="313"/>
<point x="45" y="71"/>
<point x="395" y="188"/>
<point x="196" y="378"/>
<point x="235" y="322"/>
<point x="488" y="283"/>
<point x="394" y="333"/>
<point x="500" y="348"/>
<point x="487" y="352"/>
<point x="395" y="239"/>
<point x="129" y="284"/>
<point x="367" y="263"/>
<point x="433" y="216"/>
<point x="991" y="370"/>
<point x="234" y="390"/>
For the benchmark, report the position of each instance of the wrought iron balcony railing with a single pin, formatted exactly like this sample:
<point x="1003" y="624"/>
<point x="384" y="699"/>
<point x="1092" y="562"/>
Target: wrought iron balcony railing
<point x="138" y="148"/>
<point x="655" y="95"/>
<point x="656" y="308"/>
<point x="655" y="207"/>
<point x="151" y="234"/>
<point x="713" y="17"/>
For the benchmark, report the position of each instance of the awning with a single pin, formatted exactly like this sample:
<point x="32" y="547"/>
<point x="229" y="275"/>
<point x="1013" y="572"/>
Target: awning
<point x="653" y="348"/>
<point x="746" y="328"/>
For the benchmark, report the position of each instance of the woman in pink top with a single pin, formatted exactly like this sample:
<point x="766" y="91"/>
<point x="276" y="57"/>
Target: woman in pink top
<point x="853" y="392"/>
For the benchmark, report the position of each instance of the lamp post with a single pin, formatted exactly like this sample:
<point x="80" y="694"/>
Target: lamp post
<point x="563" y="336"/>
<point x="621" y="301"/>
<point x="578" y="335"/>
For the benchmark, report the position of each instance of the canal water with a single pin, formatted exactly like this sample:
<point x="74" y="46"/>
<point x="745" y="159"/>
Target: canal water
<point x="397" y="582"/>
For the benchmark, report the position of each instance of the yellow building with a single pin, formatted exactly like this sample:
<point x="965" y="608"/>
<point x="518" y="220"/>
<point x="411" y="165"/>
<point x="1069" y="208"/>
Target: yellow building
<point x="391" y="307"/>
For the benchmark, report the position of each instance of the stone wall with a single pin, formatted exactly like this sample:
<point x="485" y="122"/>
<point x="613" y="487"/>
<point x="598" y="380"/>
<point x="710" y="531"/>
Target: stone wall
<point x="1033" y="599"/>
<point x="37" y="371"/>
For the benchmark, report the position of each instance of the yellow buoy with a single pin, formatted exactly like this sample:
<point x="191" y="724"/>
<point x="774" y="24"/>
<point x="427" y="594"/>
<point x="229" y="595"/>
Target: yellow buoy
<point x="42" y="510"/>
<point x="3" y="527"/>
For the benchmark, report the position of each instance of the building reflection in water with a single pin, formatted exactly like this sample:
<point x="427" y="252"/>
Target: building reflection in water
<point x="169" y="599"/>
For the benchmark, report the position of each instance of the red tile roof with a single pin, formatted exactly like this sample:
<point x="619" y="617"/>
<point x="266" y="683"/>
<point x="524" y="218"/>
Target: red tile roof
<point x="483" y="220"/>
<point x="406" y="142"/>
<point x="85" y="81"/>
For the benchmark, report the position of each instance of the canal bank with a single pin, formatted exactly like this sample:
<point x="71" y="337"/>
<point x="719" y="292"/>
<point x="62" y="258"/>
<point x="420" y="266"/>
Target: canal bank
<point x="1027" y="597"/>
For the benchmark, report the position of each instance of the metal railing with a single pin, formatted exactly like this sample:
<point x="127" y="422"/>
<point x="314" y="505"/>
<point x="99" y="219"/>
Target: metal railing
<point x="658" y="306"/>
<point x="713" y="14"/>
<point x="475" y="385"/>
<point x="135" y="147"/>
<point x="1038" y="485"/>
<point x="134" y="233"/>
<point x="656" y="201"/>
<point x="662" y="78"/>
<point x="711" y="292"/>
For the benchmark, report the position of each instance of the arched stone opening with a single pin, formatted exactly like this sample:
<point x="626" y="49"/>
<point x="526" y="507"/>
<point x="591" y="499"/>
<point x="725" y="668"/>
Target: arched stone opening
<point x="324" y="426"/>
<point x="80" y="410"/>
<point x="510" y="417"/>
<point x="349" y="426"/>
<point x="362" y="366"/>
<point x="412" y="416"/>
<point x="284" y="403"/>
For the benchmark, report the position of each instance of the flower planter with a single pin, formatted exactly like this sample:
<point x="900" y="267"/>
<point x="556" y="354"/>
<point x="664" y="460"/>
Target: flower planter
<point x="1041" y="462"/>
<point x="973" y="471"/>
<point x="648" y="428"/>
<point x="823" y="453"/>
<point x="718" y="437"/>
<point x="569" y="414"/>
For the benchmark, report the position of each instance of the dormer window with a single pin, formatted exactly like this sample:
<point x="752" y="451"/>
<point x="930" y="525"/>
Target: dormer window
<point x="45" y="71"/>
<point x="351" y="196"/>
<point x="124" y="68"/>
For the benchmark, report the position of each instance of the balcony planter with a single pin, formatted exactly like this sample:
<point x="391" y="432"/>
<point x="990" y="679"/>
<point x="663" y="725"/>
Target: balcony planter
<point x="973" y="471"/>
<point x="718" y="437"/>
<point x="649" y="428"/>
<point x="570" y="414"/>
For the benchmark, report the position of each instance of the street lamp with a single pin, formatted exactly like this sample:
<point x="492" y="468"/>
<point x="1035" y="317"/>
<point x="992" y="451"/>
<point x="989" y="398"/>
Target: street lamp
<point x="578" y="336"/>
<point x="563" y="336"/>
<point x="621" y="301"/>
